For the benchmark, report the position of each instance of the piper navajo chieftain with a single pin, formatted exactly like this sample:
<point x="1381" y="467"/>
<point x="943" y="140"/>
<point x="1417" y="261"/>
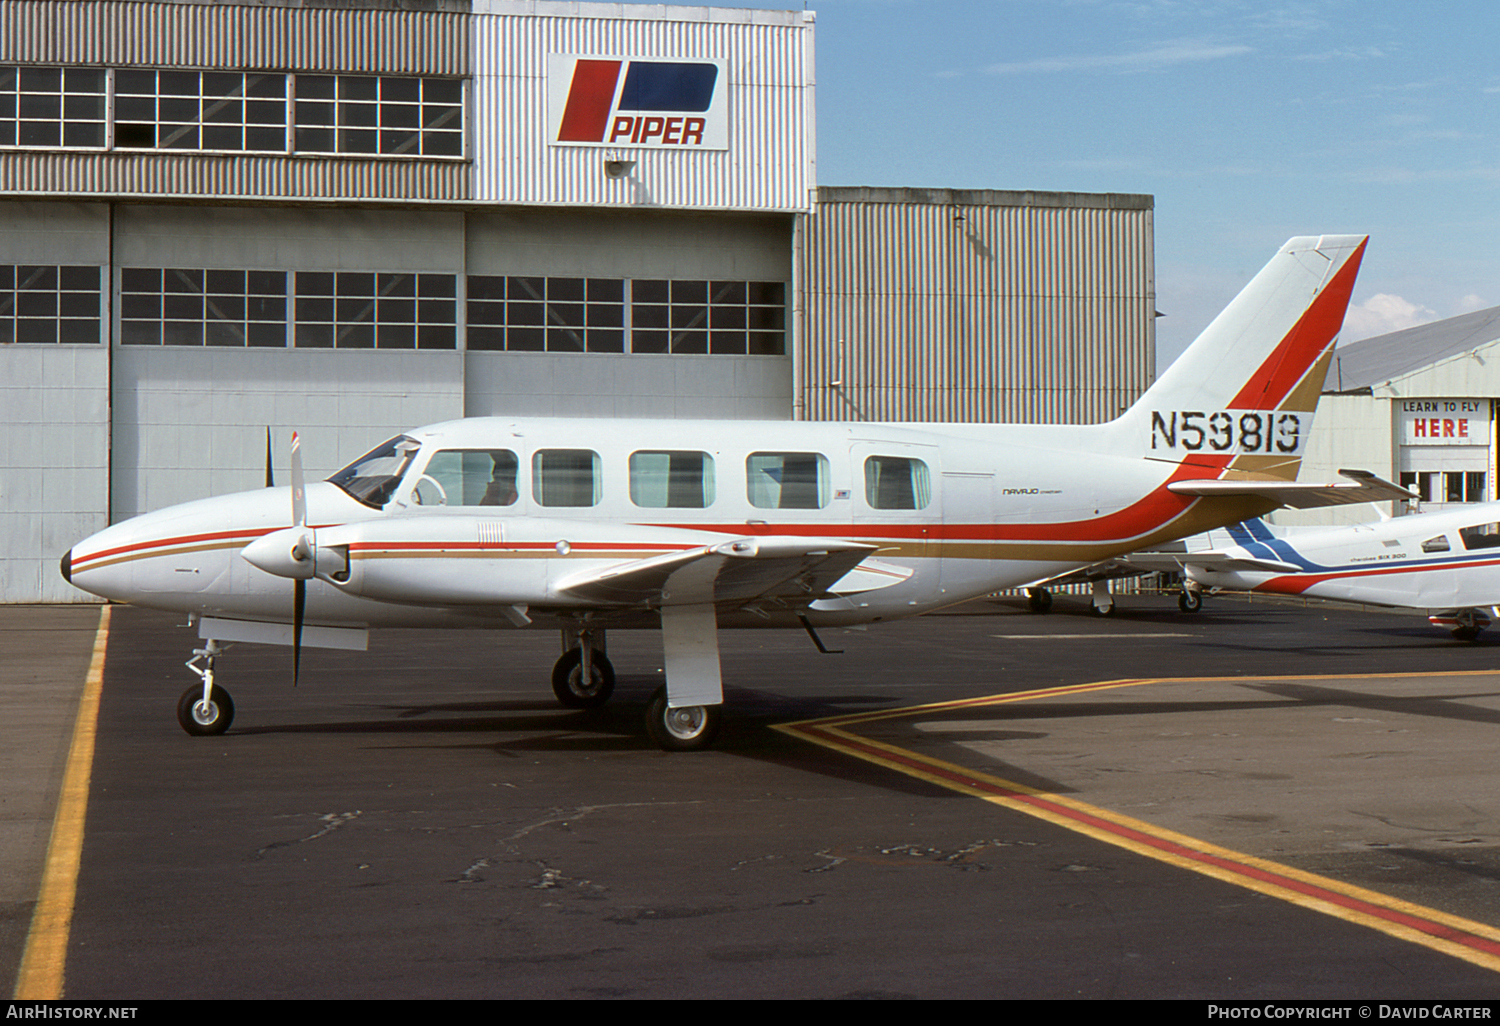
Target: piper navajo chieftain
<point x="587" y="525"/>
<point x="1447" y="562"/>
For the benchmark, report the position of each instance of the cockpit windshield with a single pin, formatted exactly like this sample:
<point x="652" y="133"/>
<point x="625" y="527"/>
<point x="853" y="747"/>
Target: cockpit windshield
<point x="373" y="478"/>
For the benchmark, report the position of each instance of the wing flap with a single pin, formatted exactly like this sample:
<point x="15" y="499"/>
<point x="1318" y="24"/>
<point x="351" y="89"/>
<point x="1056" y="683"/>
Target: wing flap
<point x="734" y="572"/>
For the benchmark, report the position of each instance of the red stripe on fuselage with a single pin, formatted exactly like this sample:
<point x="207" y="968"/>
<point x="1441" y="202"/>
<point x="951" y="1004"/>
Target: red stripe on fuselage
<point x="1150" y="513"/>
<point x="1296" y="584"/>
<point x="139" y="549"/>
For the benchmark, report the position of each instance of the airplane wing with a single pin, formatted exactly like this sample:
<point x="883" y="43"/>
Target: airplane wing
<point x="1362" y="486"/>
<point x="735" y="572"/>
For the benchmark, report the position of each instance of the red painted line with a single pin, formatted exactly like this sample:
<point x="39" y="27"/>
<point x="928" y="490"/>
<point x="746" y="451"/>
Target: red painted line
<point x="830" y="732"/>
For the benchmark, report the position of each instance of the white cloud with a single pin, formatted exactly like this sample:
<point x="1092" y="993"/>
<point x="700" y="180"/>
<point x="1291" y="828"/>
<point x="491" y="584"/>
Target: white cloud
<point x="1383" y="313"/>
<point x="1184" y="51"/>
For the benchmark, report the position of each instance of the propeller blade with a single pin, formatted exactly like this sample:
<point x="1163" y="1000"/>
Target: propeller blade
<point x="303" y="550"/>
<point x="270" y="478"/>
<point x="299" y="603"/>
<point x="299" y="492"/>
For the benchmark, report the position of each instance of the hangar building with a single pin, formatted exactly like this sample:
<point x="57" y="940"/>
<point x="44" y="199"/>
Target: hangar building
<point x="1417" y="406"/>
<point x="222" y="221"/>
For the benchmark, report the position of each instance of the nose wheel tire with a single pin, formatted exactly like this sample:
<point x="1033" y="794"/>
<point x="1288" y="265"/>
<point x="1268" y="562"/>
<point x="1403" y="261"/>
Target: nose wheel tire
<point x="1190" y="601"/>
<point x="205" y="720"/>
<point x="689" y="728"/>
<point x="568" y="684"/>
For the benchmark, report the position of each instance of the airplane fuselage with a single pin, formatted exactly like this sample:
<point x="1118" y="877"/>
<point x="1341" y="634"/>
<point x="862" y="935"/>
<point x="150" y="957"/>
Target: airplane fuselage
<point x="1440" y="560"/>
<point x="952" y="511"/>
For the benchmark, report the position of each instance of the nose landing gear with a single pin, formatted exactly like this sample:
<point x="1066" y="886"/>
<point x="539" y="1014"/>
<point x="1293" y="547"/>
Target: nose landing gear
<point x="206" y="710"/>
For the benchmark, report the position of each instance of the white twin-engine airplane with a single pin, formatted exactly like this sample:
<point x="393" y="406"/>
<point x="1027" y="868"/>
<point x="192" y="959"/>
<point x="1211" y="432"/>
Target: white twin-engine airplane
<point x="1447" y="562"/>
<point x="585" y="525"/>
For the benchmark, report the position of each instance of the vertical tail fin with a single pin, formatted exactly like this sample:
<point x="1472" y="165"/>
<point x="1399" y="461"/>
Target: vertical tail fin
<point x="1240" y="400"/>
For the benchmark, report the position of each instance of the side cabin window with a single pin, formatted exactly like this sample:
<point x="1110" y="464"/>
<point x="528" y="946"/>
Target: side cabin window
<point x="469" y="477"/>
<point x="1438" y="544"/>
<point x="787" y="480"/>
<point x="895" y="482"/>
<point x="1481" y="536"/>
<point x="671" y="479"/>
<point x="566" y="477"/>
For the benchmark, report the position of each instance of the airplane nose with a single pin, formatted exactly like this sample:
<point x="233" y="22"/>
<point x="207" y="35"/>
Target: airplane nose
<point x="67" y="566"/>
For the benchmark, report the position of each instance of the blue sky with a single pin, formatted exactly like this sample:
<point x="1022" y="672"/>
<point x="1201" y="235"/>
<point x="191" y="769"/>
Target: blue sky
<point x="1250" y="121"/>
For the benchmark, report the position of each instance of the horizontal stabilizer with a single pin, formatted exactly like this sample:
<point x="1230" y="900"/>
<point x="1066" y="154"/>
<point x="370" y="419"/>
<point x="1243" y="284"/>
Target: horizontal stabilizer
<point x="1138" y="564"/>
<point x="735" y="572"/>
<point x="1362" y="486"/>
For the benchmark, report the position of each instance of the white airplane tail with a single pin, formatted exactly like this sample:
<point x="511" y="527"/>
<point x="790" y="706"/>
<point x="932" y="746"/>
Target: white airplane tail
<point x="1240" y="400"/>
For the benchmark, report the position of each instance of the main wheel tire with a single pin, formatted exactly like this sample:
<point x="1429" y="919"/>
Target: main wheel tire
<point x="568" y="684"/>
<point x="689" y="728"/>
<point x="1466" y="633"/>
<point x="1038" y="600"/>
<point x="1190" y="601"/>
<point x="1108" y="610"/>
<point x="205" y="722"/>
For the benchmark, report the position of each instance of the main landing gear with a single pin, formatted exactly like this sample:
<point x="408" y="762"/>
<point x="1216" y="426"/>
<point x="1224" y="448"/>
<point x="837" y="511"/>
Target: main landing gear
<point x="1463" y="624"/>
<point x="583" y="678"/>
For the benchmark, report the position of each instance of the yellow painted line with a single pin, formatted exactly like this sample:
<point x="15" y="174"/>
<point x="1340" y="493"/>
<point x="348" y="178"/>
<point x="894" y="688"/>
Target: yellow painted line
<point x="42" y="964"/>
<point x="1474" y="942"/>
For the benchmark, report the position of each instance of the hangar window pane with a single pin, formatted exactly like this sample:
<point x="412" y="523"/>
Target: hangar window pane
<point x="375" y="310"/>
<point x="733" y="318"/>
<point x="45" y="303"/>
<point x="385" y="115"/>
<point x="191" y="307"/>
<point x="566" y="477"/>
<point x="787" y="480"/>
<point x="562" y="315"/>
<point x="676" y="480"/>
<point x="192" y="110"/>
<point x="52" y="107"/>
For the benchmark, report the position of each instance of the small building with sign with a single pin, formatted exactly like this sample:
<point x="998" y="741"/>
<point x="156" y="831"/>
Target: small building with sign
<point x="1417" y="406"/>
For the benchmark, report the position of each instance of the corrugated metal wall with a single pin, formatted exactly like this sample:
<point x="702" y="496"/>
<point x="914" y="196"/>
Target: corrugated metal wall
<point x="357" y="40"/>
<point x="935" y="305"/>
<point x="769" y="163"/>
<point x="353" y="39"/>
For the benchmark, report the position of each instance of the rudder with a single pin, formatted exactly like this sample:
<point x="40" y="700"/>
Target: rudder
<point x="1241" y="398"/>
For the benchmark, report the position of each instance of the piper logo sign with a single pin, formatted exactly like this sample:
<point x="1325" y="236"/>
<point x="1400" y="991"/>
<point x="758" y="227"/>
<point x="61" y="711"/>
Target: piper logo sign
<point x="637" y="102"/>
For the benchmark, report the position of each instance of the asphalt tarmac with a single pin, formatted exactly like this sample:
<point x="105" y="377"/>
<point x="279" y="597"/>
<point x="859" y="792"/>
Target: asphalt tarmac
<point x="1256" y="802"/>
